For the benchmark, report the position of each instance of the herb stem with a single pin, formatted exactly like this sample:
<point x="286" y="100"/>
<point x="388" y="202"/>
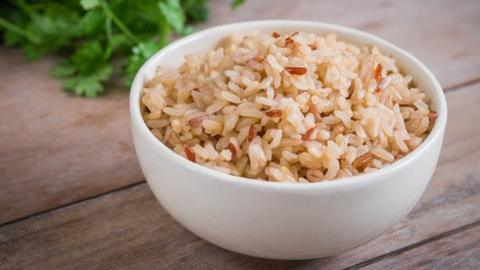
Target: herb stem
<point x="119" y="23"/>
<point x="17" y="30"/>
<point x="26" y="8"/>
<point x="108" y="30"/>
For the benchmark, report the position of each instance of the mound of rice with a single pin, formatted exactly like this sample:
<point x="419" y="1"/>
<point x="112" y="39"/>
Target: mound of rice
<point x="296" y="108"/>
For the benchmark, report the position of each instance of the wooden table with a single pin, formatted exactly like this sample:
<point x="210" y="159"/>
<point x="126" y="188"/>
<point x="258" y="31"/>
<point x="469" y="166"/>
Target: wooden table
<point x="72" y="195"/>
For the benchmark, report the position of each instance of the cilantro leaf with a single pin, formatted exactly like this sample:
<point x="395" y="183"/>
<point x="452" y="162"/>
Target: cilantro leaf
<point x="88" y="85"/>
<point x="92" y="22"/>
<point x="83" y="86"/>
<point x="87" y="56"/>
<point x="85" y="71"/>
<point x="63" y="69"/>
<point x="140" y="54"/>
<point x="173" y="12"/>
<point x="89" y="4"/>
<point x="53" y="28"/>
<point x="89" y="35"/>
<point x="237" y="3"/>
<point x="195" y="10"/>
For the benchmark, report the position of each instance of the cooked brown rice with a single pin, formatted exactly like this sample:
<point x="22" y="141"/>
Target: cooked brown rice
<point x="296" y="107"/>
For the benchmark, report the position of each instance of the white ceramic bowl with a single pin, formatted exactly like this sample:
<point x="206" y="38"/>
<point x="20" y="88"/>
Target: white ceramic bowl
<point x="281" y="220"/>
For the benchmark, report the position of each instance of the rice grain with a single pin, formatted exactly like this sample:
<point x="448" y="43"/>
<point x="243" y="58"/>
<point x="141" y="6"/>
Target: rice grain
<point x="293" y="108"/>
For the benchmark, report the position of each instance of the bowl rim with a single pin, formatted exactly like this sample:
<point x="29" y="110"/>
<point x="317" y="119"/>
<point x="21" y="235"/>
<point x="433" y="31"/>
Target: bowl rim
<point x="353" y="181"/>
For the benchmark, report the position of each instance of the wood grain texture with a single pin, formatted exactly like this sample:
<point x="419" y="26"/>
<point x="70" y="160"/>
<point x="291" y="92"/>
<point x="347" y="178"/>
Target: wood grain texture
<point x="457" y="251"/>
<point x="57" y="149"/>
<point x="129" y="229"/>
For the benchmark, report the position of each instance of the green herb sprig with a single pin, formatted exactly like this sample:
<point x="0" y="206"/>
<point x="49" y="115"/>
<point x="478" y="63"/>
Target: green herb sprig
<point x="90" y="34"/>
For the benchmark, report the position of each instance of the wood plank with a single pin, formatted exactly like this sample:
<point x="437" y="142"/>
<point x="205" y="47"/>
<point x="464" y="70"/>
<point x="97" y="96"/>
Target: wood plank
<point x="64" y="149"/>
<point x="441" y="33"/>
<point x="129" y="229"/>
<point x="56" y="148"/>
<point x="459" y="251"/>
